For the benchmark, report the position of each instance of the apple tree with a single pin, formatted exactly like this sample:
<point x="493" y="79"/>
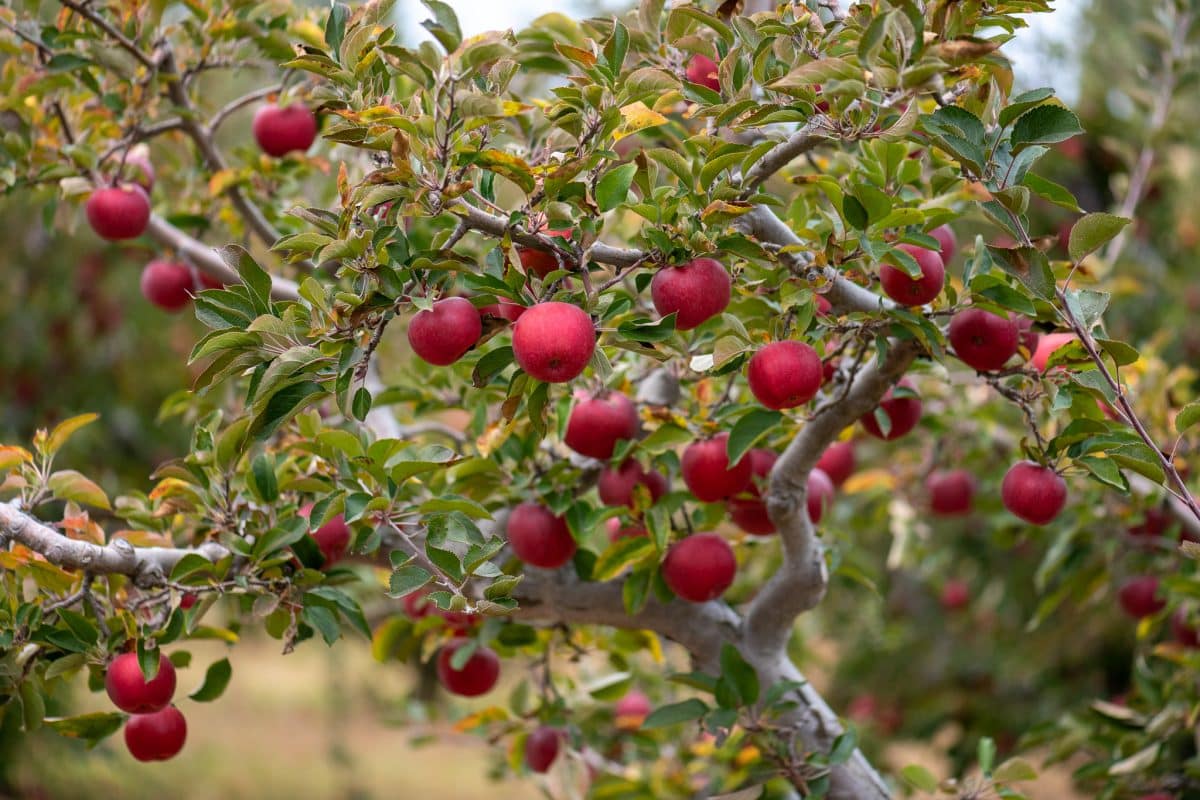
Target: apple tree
<point x="587" y="359"/>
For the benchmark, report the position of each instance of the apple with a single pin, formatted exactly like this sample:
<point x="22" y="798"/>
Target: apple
<point x="982" y="340"/>
<point x="750" y="513"/>
<point x="696" y="292"/>
<point x="1154" y="524"/>
<point x="616" y="486"/>
<point x="130" y="691"/>
<point x="597" y="423"/>
<point x="617" y="531"/>
<point x="118" y="212"/>
<point x="631" y="710"/>
<point x="1046" y="345"/>
<point x="1028" y="335"/>
<point x="956" y="594"/>
<point x="702" y="70"/>
<point x="332" y="538"/>
<point x="541" y="748"/>
<point x="443" y="334"/>
<point x="543" y="262"/>
<point x="1184" y="632"/>
<point x="476" y="677"/>
<point x="903" y="412"/>
<point x="188" y="601"/>
<point x="820" y="494"/>
<point x="209" y="282"/>
<point x="538" y="537"/>
<point x="948" y="241"/>
<point x="837" y="462"/>
<point x="280" y="130"/>
<point x="1033" y="492"/>
<point x="785" y="374"/>
<point x="158" y="736"/>
<point x="553" y="341"/>
<point x="502" y="309"/>
<point x="914" y="292"/>
<point x="950" y="492"/>
<point x="1139" y="597"/>
<point x="168" y="284"/>
<point x="707" y="472"/>
<point x="699" y="568"/>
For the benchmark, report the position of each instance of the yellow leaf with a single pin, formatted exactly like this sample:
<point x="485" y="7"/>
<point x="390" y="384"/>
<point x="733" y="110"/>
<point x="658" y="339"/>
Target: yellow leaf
<point x="511" y="108"/>
<point x="480" y="718"/>
<point x="309" y="31"/>
<point x="63" y="430"/>
<point x="68" y="484"/>
<point x="635" y="117"/>
<point x="721" y="211"/>
<point x="222" y="180"/>
<point x="12" y="456"/>
<point x="869" y="480"/>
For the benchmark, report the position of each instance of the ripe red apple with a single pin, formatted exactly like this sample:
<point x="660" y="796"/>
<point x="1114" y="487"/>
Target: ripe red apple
<point x="158" y="736"/>
<point x="280" y="130"/>
<point x="1154" y="524"/>
<point x="820" y="494"/>
<point x="750" y="513"/>
<point x="542" y="262"/>
<point x="209" y="282"/>
<point x="553" y="342"/>
<point x="168" y="284"/>
<point x="541" y="748"/>
<point x="118" y="212"/>
<point x="784" y="374"/>
<point x="502" y="309"/>
<point x="824" y="307"/>
<point x="538" y="537"/>
<point x="444" y="333"/>
<point x="702" y="70"/>
<point x="597" y="423"/>
<point x="332" y="538"/>
<point x="476" y="677"/>
<point x="631" y="710"/>
<point x="1046" y="345"/>
<point x="617" y="531"/>
<point x="1028" y="335"/>
<point x="1033" y="492"/>
<point x="956" y="594"/>
<point x="949" y="242"/>
<point x="950" y="492"/>
<point x="707" y="472"/>
<point x="188" y="601"/>
<point x="699" y="568"/>
<point x="1184" y="632"/>
<point x="909" y="292"/>
<point x="982" y="340"/>
<point x="838" y="462"/>
<point x="904" y="413"/>
<point x="1139" y="597"/>
<point x="616" y="486"/>
<point x="130" y="691"/>
<point x="697" y="291"/>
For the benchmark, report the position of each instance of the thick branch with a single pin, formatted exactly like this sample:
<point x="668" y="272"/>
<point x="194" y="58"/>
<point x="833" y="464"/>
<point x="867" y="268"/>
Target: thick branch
<point x="802" y="141"/>
<point x="148" y="566"/>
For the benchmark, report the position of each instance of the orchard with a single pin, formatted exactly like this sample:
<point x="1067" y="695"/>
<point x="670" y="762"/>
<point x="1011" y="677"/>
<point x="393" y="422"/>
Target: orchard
<point x="623" y="374"/>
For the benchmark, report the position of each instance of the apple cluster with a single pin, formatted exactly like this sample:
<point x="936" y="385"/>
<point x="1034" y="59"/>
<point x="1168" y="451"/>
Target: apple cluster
<point x="157" y="730"/>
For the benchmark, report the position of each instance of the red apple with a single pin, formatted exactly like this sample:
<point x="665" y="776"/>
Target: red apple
<point x="158" y="736"/>
<point x="903" y="412"/>
<point x="541" y="748"/>
<point x="784" y="374"/>
<point x="956" y="594"/>
<point x="616" y="486"/>
<point x="631" y="710"/>
<point x="707" y="472"/>
<point x="948" y="241"/>
<point x="617" y="531"/>
<point x="188" y="601"/>
<point x="444" y="333"/>
<point x="553" y="342"/>
<point x="820" y="494"/>
<point x="118" y="212"/>
<point x="750" y="513"/>
<point x="280" y="130"/>
<point x="130" y="691"/>
<point x="909" y="292"/>
<point x="168" y="284"/>
<point x="696" y="291"/>
<point x="1154" y="524"/>
<point x="982" y="340"/>
<point x="597" y="423"/>
<point x="824" y="307"/>
<point x="1184" y="632"/>
<point x="476" y="677"/>
<point x="950" y="492"/>
<point x="702" y="70"/>
<point x="332" y="538"/>
<point x="1139" y="597"/>
<point x="542" y="262"/>
<point x="1046" y="345"/>
<point x="1033" y="492"/>
<point x="699" y="568"/>
<point x="538" y="537"/>
<point x="502" y="309"/>
<point x="838" y="462"/>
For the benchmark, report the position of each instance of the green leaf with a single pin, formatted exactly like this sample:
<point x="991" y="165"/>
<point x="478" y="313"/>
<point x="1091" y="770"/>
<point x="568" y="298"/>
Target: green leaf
<point x="262" y="478"/>
<point x="253" y="276"/>
<point x="1188" y="416"/>
<point x="1023" y="102"/>
<point x="444" y="25"/>
<point x="335" y="26"/>
<point x="613" y="188"/>
<point x="621" y="554"/>
<point x="361" y="405"/>
<point x="490" y="365"/>
<point x="819" y="71"/>
<point x="854" y="212"/>
<point x="1014" y="769"/>
<point x="407" y="580"/>
<point x="216" y="678"/>
<point x="283" y="405"/>
<point x="986" y="753"/>
<point x="843" y="747"/>
<point x="686" y="711"/>
<point x="1087" y="305"/>
<point x="739" y="674"/>
<point x="1092" y="232"/>
<point x="67" y="484"/>
<point x="748" y="430"/>
<point x="919" y="777"/>
<point x="642" y="330"/>
<point x="91" y="728"/>
<point x="1044" y="125"/>
<point x="324" y="621"/>
<point x="1051" y="191"/>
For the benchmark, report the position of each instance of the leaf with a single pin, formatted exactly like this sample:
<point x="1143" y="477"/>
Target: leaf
<point x="68" y="484"/>
<point x="637" y="117"/>
<point x="1023" y="102"/>
<point x="843" y="747"/>
<point x="739" y="674"/>
<point x="283" y="405"/>
<point x="63" y="430"/>
<point x="444" y="25"/>
<point x="748" y="430"/>
<point x="686" y="711"/>
<point x="1188" y="416"/>
<point x="407" y="580"/>
<point x="1139" y="761"/>
<point x="216" y="678"/>
<point x="613" y="188"/>
<point x="822" y="70"/>
<point x="324" y="620"/>
<point x="1044" y="125"/>
<point x="1051" y="191"/>
<point x="1014" y="769"/>
<point x="620" y="555"/>
<point x="253" y="276"/>
<point x="1092" y="232"/>
<point x="91" y="728"/>
<point x="919" y="777"/>
<point x="507" y="165"/>
<point x="335" y="26"/>
<point x="12" y="456"/>
<point x="854" y="212"/>
<point x="1087" y="305"/>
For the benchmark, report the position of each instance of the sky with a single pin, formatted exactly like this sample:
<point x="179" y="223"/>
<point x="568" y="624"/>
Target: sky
<point x="1031" y="51"/>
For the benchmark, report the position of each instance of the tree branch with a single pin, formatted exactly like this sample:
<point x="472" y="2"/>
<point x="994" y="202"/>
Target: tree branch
<point x="495" y="225"/>
<point x="100" y="22"/>
<point x="802" y="141"/>
<point x="240" y="102"/>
